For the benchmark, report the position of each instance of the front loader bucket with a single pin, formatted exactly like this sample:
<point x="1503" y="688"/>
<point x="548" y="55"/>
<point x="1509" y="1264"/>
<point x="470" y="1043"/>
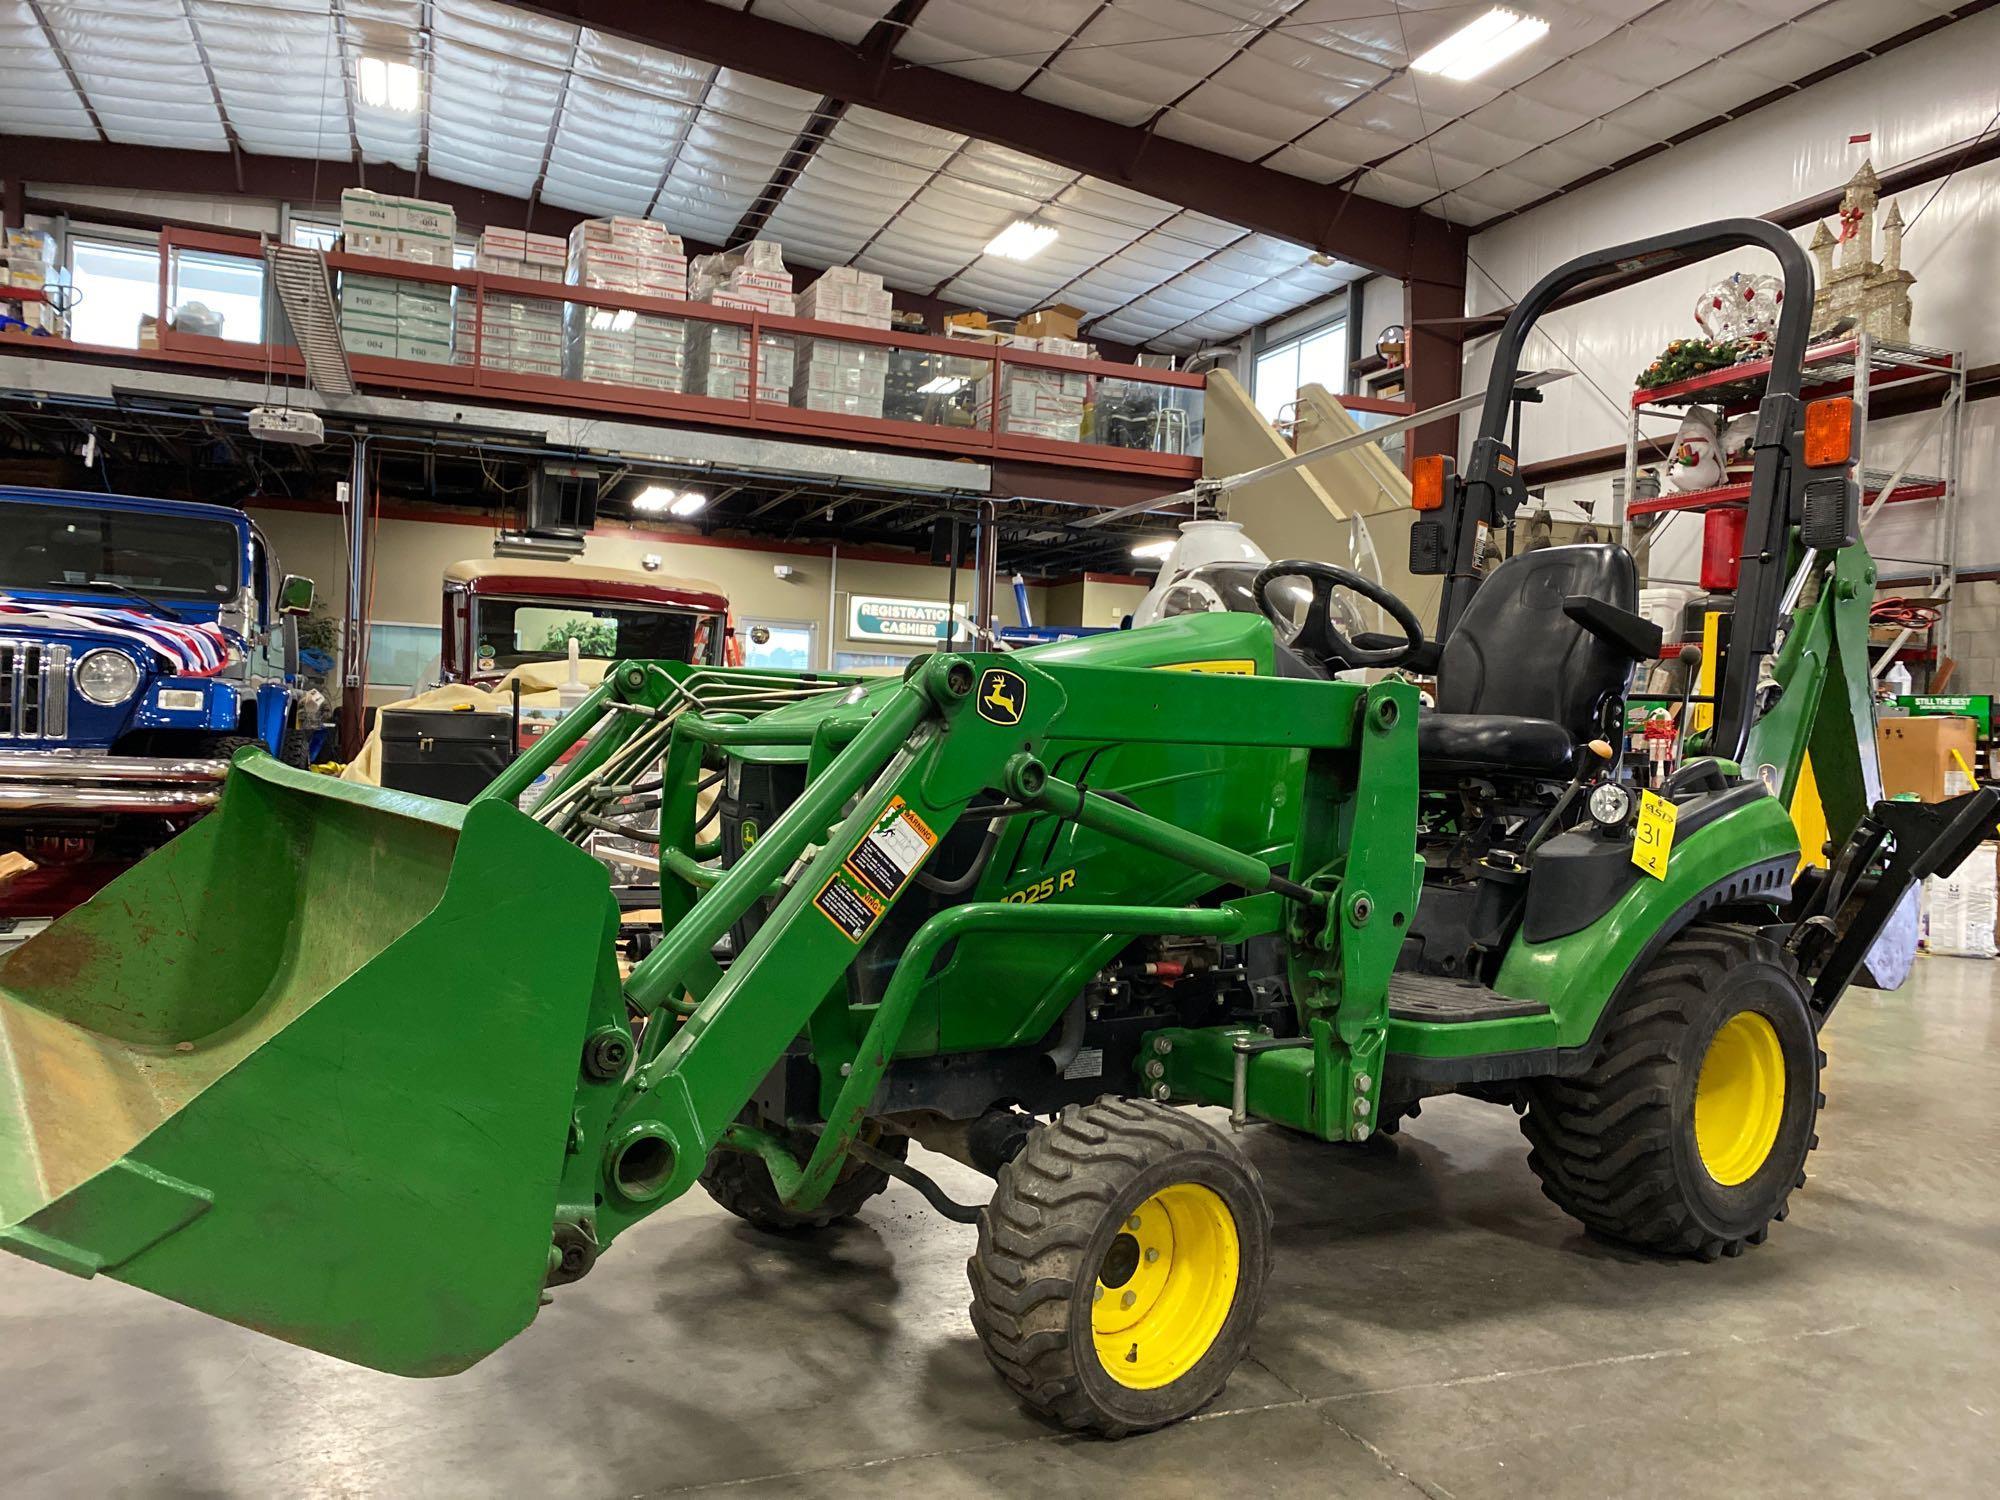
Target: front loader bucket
<point x="310" y="1068"/>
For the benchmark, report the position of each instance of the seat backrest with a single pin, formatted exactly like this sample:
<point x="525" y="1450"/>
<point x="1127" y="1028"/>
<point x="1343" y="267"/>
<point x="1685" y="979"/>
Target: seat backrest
<point x="1515" y="652"/>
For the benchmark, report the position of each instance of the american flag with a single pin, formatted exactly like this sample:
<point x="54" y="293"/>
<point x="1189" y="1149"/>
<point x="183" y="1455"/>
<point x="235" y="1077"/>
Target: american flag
<point x="189" y="649"/>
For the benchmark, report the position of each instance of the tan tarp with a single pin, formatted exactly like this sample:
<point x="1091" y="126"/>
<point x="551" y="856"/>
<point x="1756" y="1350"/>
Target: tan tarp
<point x="539" y="683"/>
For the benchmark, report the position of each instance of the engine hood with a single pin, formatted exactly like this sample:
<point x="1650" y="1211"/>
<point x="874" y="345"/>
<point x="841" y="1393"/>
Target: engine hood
<point x="1218" y="642"/>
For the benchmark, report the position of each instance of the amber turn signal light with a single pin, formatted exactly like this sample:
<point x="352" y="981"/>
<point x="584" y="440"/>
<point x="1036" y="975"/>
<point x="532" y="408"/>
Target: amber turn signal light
<point x="1427" y="482"/>
<point x="1829" y="432"/>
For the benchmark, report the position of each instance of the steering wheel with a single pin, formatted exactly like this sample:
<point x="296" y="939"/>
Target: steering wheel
<point x="1317" y="636"/>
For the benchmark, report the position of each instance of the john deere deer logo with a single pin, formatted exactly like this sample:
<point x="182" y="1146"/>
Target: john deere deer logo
<point x="1002" y="696"/>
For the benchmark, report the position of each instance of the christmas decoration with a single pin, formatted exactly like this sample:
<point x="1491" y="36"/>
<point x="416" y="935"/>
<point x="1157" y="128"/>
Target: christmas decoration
<point x="1742" y="309"/>
<point x="1853" y="286"/>
<point x="1685" y="358"/>
<point x="1697" y="461"/>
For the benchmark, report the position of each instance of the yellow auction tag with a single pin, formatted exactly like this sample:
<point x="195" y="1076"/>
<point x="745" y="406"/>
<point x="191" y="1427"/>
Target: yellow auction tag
<point x="1653" y="836"/>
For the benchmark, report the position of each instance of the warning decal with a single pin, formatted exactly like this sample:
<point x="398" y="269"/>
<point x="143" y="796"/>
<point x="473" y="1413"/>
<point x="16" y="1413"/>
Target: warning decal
<point x="893" y="849"/>
<point x="852" y="911"/>
<point x="877" y="870"/>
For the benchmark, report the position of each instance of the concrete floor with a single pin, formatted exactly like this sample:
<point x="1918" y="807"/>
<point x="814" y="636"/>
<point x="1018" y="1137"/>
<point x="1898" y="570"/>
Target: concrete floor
<point x="1434" y="1327"/>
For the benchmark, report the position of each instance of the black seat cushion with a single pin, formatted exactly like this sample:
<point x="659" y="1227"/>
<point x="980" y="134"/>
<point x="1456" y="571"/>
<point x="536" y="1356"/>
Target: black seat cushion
<point x="1519" y="683"/>
<point x="1482" y="742"/>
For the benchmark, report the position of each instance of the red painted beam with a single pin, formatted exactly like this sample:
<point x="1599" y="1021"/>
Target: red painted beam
<point x="1394" y="241"/>
<point x="287" y="178"/>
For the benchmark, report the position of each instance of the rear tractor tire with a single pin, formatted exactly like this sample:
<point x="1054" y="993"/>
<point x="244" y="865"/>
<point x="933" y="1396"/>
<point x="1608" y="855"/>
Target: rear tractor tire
<point x="1691" y="1129"/>
<point x="1121" y="1266"/>
<point x="742" y="1184"/>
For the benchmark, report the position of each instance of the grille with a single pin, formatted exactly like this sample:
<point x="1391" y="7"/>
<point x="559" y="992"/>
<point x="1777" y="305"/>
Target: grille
<point x="34" y="690"/>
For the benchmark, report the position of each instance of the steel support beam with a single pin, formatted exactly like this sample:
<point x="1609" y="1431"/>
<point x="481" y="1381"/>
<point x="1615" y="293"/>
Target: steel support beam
<point x="290" y="179"/>
<point x="1398" y="242"/>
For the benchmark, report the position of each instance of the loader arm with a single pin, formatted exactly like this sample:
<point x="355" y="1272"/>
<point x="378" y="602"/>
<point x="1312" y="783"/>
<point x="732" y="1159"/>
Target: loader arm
<point x="383" y="1133"/>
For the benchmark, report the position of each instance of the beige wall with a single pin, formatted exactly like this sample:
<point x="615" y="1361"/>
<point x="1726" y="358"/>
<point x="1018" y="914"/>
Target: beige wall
<point x="411" y="556"/>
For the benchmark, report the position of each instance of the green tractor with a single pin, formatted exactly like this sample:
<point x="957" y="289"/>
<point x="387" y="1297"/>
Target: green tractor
<point x="365" y="1071"/>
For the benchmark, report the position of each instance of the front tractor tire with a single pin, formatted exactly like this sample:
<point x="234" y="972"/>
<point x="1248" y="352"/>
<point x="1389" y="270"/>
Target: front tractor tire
<point x="742" y="1184"/>
<point x="1121" y="1266"/>
<point x="1691" y="1128"/>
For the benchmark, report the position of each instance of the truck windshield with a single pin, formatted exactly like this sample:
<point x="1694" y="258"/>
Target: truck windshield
<point x="508" y="632"/>
<point x="71" y="550"/>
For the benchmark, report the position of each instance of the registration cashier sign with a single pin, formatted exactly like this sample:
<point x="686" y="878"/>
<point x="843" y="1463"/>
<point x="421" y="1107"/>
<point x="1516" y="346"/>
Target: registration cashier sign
<point x="870" y="618"/>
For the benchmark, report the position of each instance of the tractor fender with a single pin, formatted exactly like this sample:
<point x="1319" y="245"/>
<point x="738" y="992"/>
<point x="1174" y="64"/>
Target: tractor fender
<point x="1748" y="857"/>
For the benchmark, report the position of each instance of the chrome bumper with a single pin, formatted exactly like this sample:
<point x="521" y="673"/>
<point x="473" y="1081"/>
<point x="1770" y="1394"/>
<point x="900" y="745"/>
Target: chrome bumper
<point x="59" y="782"/>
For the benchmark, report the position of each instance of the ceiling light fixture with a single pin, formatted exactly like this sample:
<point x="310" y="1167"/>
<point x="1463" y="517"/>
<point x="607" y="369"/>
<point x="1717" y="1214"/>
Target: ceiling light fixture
<point x="1482" y="44"/>
<point x="1022" y="240"/>
<point x="388" y="83"/>
<point x="688" y="503"/>
<point x="1157" y="550"/>
<point x="942" y="385"/>
<point x="654" y="500"/>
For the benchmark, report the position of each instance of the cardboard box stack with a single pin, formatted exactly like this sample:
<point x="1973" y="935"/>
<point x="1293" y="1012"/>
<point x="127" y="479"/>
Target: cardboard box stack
<point x="750" y="278"/>
<point x="619" y="345"/>
<point x="1036" y="403"/>
<point x="830" y="374"/>
<point x="521" y="334"/>
<point x="28" y="262"/>
<point x="385" y="316"/>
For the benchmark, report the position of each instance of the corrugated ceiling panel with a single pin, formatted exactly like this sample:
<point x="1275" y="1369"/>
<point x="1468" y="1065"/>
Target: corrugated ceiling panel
<point x="393" y="27"/>
<point x="1000" y="45"/>
<point x="138" y="66"/>
<point x="473" y="142"/>
<point x="278" y="70"/>
<point x="745" y="128"/>
<point x="35" y="98"/>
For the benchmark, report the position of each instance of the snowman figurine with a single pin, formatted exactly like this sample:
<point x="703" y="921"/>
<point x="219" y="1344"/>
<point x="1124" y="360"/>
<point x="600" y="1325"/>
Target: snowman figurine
<point x="1697" y="462"/>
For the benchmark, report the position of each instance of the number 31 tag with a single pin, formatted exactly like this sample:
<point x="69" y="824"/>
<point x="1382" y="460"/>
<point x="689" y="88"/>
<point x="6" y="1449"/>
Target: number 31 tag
<point x="1653" y="836"/>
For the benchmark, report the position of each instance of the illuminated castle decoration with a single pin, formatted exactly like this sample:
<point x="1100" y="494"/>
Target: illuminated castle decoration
<point x="1852" y="283"/>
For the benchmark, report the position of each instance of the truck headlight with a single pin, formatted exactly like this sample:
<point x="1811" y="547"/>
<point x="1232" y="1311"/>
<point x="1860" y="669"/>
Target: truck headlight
<point x="106" y="677"/>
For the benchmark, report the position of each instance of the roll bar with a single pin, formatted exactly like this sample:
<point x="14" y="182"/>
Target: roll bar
<point x="1492" y="489"/>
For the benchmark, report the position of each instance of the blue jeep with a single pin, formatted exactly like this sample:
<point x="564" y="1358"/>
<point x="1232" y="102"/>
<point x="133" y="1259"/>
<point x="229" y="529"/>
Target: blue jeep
<point x="142" y="642"/>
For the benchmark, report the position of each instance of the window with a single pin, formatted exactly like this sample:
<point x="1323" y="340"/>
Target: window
<point x="117" y="283"/>
<point x="218" y="295"/>
<point x="508" y="632"/>
<point x="403" y="657"/>
<point x="1316" y="358"/>
<point x="874" y="663"/>
<point x="314" y="234"/>
<point x="777" y="645"/>
<point x="126" y="557"/>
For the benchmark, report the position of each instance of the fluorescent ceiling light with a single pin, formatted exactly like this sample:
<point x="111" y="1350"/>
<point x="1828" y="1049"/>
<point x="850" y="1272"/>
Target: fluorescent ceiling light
<point x="1158" y="549"/>
<point x="385" y="83"/>
<point x="689" y="503"/>
<point x="655" y="500"/>
<point x="1022" y="240"/>
<point x="612" y="319"/>
<point x="1482" y="44"/>
<point x="942" y="385"/>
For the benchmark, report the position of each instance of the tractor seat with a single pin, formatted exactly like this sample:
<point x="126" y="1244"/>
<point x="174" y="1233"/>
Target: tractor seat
<point x="1521" y="685"/>
<point x="1475" y="743"/>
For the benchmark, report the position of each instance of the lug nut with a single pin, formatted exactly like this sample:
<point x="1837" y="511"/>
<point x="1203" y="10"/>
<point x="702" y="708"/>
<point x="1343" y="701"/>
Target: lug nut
<point x="1156" y="1069"/>
<point x="1162" y="1093"/>
<point x="1152" y="1254"/>
<point x="1363" y="1084"/>
<point x="1128" y="1299"/>
<point x="1163" y="1045"/>
<point x="1358" y="1133"/>
<point x="1361" y="1107"/>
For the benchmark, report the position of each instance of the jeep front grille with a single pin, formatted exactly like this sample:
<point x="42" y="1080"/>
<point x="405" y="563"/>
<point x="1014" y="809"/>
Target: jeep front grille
<point x="34" y="690"/>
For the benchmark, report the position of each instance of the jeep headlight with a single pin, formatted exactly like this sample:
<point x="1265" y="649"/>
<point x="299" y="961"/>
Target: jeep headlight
<point x="106" y="677"/>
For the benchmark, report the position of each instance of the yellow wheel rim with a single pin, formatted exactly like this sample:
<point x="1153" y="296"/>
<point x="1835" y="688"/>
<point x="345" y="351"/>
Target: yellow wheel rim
<point x="1165" y="1287"/>
<point x="1739" y="1100"/>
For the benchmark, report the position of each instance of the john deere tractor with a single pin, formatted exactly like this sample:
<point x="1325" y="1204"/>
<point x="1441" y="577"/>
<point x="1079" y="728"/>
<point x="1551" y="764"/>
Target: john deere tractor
<point x="377" y="1075"/>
